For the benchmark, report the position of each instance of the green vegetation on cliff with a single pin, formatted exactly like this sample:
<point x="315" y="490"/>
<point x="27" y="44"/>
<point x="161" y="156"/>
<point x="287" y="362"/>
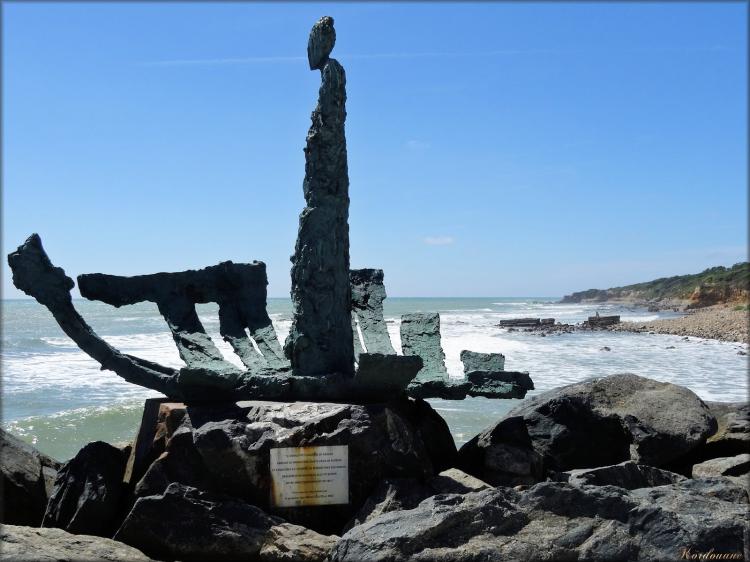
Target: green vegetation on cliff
<point x="714" y="285"/>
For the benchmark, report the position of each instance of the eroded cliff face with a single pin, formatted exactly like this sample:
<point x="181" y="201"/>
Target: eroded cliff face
<point x="716" y="285"/>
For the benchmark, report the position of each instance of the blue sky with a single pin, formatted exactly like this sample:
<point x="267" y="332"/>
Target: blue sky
<point x="495" y="149"/>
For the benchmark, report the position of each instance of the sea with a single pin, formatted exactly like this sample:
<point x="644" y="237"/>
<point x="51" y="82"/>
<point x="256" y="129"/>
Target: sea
<point x="55" y="397"/>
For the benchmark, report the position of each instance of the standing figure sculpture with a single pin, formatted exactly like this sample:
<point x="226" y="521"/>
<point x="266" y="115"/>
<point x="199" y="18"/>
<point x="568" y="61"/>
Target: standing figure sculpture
<point x="320" y="340"/>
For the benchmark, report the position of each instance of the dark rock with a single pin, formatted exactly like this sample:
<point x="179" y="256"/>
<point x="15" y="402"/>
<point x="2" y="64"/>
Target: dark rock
<point x="612" y="419"/>
<point x="732" y="436"/>
<point x="88" y="491"/>
<point x="226" y="448"/>
<point x="391" y="494"/>
<point x="556" y="521"/>
<point x="368" y="294"/>
<point x="28" y="478"/>
<point x="605" y="348"/>
<point x="502" y="455"/>
<point x="30" y="544"/>
<point x="475" y="361"/>
<point x="420" y="335"/>
<point x="629" y="475"/>
<point x="320" y="340"/>
<point x="396" y="494"/>
<point x="189" y="524"/>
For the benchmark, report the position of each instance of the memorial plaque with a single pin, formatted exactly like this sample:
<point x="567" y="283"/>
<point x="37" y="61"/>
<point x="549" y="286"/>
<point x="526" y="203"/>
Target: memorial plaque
<point x="305" y="476"/>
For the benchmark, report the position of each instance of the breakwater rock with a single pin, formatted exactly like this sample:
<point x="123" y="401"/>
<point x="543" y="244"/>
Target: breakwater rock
<point x="28" y="478"/>
<point x="609" y="469"/>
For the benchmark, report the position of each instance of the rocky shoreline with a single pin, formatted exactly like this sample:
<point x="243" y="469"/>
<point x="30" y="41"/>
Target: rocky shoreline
<point x="613" y="468"/>
<point x="719" y="322"/>
<point x="724" y="322"/>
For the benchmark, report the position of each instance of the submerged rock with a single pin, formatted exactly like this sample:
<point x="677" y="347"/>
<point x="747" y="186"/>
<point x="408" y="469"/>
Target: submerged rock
<point x="28" y="479"/>
<point x="88" y="491"/>
<point x="556" y="521"/>
<point x="29" y="544"/>
<point x="189" y="524"/>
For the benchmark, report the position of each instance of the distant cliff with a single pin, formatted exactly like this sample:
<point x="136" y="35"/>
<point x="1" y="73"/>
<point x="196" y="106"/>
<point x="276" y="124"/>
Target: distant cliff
<point x="712" y="286"/>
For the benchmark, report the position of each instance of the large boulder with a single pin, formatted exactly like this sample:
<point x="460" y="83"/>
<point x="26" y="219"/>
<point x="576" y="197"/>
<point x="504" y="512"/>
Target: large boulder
<point x="88" y="493"/>
<point x="27" y="480"/>
<point x="189" y="524"/>
<point x="502" y="455"/>
<point x="557" y="521"/>
<point x="609" y="420"/>
<point x="226" y="449"/>
<point x="30" y="544"/>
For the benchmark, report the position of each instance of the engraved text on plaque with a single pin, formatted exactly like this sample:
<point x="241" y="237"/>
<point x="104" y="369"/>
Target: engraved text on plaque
<point x="303" y="476"/>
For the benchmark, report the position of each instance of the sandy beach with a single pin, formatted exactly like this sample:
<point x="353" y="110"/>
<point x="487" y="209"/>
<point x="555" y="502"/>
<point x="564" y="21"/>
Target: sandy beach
<point x="720" y="322"/>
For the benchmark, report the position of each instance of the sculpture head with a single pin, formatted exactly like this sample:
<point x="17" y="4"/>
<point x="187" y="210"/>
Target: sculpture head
<point x="320" y="44"/>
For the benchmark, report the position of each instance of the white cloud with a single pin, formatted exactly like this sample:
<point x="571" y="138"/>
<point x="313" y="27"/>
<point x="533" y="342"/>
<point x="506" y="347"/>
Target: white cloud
<point x="438" y="240"/>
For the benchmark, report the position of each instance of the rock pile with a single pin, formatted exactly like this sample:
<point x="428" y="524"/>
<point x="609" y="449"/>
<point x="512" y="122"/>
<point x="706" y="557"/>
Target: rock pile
<point x="621" y="467"/>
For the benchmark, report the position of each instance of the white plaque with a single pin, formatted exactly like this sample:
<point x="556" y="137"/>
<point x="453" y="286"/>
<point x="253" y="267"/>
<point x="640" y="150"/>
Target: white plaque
<point x="302" y="476"/>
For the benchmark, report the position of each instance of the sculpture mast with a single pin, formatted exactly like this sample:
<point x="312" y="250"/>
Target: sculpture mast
<point x="320" y="341"/>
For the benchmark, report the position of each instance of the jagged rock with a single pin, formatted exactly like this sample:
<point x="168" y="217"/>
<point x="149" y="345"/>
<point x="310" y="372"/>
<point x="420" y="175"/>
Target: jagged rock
<point x="455" y="481"/>
<point x="28" y="478"/>
<point x="609" y="420"/>
<point x="226" y="449"/>
<point x="736" y="469"/>
<point x="556" y="521"/>
<point x="502" y="455"/>
<point x="368" y="294"/>
<point x="499" y="384"/>
<point x="732" y="436"/>
<point x="395" y="494"/>
<point x="420" y="335"/>
<point x="189" y="524"/>
<point x="88" y="491"/>
<point x="629" y="475"/>
<point x="320" y="339"/>
<point x="30" y="544"/>
<point x="475" y="361"/>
